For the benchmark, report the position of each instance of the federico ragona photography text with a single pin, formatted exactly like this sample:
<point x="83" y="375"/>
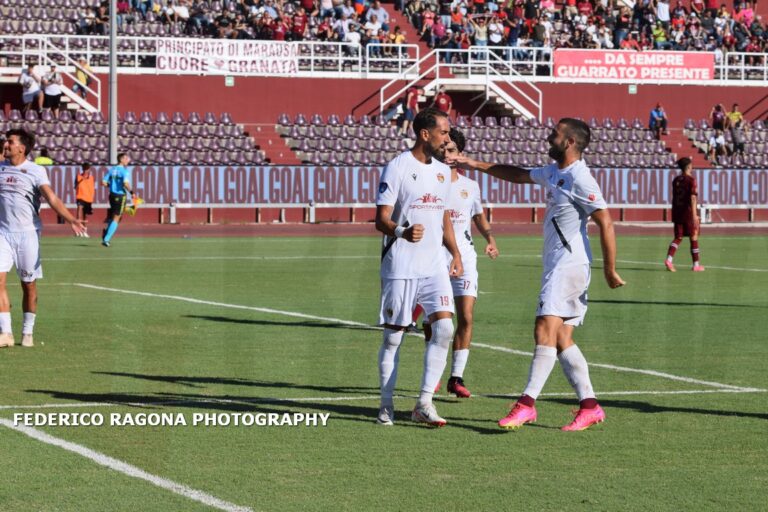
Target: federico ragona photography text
<point x="197" y="419"/>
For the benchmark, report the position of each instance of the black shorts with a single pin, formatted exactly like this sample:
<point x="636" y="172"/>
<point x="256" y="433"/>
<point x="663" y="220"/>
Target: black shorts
<point x="87" y="207"/>
<point x="52" y="101"/>
<point x="116" y="204"/>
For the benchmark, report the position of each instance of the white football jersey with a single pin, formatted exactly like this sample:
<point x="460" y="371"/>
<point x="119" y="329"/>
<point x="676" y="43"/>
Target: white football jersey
<point x="572" y="196"/>
<point x="463" y="204"/>
<point x="419" y="194"/>
<point x="20" y="196"/>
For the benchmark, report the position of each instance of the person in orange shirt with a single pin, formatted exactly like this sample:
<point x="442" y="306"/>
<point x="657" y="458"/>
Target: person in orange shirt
<point x="85" y="190"/>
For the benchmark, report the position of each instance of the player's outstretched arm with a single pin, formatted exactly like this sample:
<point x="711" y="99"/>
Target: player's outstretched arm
<point x="484" y="227"/>
<point x="608" y="243"/>
<point x="505" y="172"/>
<point x="456" y="267"/>
<point x="386" y="225"/>
<point x="56" y="205"/>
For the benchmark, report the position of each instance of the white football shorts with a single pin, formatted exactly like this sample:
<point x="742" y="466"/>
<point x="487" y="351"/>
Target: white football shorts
<point x="22" y="250"/>
<point x="564" y="293"/>
<point x="400" y="296"/>
<point x="466" y="284"/>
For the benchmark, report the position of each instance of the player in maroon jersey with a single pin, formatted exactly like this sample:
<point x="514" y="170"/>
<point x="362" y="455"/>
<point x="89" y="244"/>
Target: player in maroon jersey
<point x="684" y="214"/>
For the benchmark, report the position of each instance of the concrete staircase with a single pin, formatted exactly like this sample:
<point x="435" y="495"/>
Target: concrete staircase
<point x="677" y="142"/>
<point x="275" y="148"/>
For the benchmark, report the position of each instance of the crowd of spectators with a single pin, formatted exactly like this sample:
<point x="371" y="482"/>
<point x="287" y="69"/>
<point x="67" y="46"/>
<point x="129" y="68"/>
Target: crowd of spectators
<point x="702" y="25"/>
<point x="356" y="22"/>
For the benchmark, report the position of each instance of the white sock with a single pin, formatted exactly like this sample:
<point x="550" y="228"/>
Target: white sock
<point x="389" y="355"/>
<point x="435" y="358"/>
<point x="576" y="371"/>
<point x="459" y="362"/>
<point x="5" y="322"/>
<point x="543" y="361"/>
<point x="29" y="323"/>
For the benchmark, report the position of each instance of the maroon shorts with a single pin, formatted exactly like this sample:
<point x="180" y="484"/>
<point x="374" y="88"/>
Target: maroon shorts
<point x="686" y="229"/>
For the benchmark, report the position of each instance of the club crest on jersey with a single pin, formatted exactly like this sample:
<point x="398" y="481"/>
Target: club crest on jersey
<point x="591" y="197"/>
<point x="440" y="177"/>
<point x="383" y="187"/>
<point x="464" y="194"/>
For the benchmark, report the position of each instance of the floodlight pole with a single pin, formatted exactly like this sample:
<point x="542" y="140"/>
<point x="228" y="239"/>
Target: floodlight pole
<point x="113" y="136"/>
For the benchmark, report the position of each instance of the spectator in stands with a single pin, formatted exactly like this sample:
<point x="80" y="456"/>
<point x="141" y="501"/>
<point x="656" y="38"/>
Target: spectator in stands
<point x="198" y="22"/>
<point x="82" y="78"/>
<point x="738" y="136"/>
<point x="176" y="11"/>
<point x="443" y="101"/>
<point x="300" y="27"/>
<point x="716" y="147"/>
<point x="658" y="121"/>
<point x="30" y="88"/>
<point x="100" y="20"/>
<point x="43" y="158"/>
<point x="660" y="37"/>
<point x="630" y="43"/>
<point x="380" y="13"/>
<point x="717" y="117"/>
<point x="734" y="116"/>
<point x="52" y="83"/>
<point x="124" y="13"/>
<point x="85" y="191"/>
<point x="411" y="108"/>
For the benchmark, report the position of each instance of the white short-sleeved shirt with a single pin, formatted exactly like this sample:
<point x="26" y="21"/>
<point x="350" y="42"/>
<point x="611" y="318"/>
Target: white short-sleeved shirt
<point x="20" y="196"/>
<point x="419" y="194"/>
<point x="463" y="204"/>
<point x="53" y="84"/>
<point x="29" y="84"/>
<point x="572" y="196"/>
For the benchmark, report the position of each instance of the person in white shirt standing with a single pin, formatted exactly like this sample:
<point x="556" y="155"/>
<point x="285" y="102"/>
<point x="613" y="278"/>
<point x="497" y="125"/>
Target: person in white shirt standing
<point x="573" y="197"/>
<point x="52" y="86"/>
<point x="411" y="213"/>
<point x="30" y="89"/>
<point x="22" y="184"/>
<point x="464" y="207"/>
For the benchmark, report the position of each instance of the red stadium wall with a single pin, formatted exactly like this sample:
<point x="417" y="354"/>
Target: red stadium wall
<point x="261" y="100"/>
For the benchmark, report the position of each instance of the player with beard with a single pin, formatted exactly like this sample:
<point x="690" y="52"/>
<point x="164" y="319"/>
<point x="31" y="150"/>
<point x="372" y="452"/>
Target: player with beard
<point x="411" y="213"/>
<point x="573" y="197"/>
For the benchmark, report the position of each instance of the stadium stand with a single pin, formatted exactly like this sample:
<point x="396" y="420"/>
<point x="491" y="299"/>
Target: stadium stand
<point x="516" y="141"/>
<point x="151" y="139"/>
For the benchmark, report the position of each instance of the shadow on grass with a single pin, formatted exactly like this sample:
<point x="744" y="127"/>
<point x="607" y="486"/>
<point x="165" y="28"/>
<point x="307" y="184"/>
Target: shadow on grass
<point x="233" y="403"/>
<point x="324" y="325"/>
<point x="669" y="303"/>
<point x="648" y="408"/>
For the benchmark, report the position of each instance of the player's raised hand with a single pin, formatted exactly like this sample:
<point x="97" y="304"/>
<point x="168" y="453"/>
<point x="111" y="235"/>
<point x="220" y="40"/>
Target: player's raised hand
<point x="492" y="251"/>
<point x="414" y="233"/>
<point x="614" y="279"/>
<point x="459" y="160"/>
<point x="457" y="267"/>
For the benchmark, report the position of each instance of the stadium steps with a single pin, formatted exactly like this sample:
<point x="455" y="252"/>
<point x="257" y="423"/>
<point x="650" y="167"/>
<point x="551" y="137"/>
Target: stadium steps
<point x="275" y="147"/>
<point x="678" y="143"/>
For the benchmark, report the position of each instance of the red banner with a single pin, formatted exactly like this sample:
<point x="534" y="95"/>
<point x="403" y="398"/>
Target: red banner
<point x="634" y="66"/>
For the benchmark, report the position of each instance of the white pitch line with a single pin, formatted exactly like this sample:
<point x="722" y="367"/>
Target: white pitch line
<point x="360" y="324"/>
<point x="126" y="469"/>
<point x="653" y="373"/>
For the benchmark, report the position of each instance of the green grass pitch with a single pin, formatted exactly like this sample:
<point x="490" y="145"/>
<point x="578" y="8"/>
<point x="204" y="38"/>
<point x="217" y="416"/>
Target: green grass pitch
<point x="210" y="325"/>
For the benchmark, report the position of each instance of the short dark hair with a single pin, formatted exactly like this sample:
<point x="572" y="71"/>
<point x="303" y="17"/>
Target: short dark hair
<point x="85" y="166"/>
<point x="26" y="138"/>
<point x="120" y="156"/>
<point x="579" y="130"/>
<point x="683" y="163"/>
<point x="44" y="152"/>
<point x="458" y="138"/>
<point x="427" y="119"/>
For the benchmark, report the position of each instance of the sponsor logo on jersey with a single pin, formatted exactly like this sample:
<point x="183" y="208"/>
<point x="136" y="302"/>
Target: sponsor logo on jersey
<point x="428" y="202"/>
<point x="440" y="177"/>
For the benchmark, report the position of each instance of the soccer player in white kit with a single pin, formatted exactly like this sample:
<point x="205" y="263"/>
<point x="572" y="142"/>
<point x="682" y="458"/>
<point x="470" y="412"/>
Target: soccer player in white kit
<point x="411" y="213"/>
<point x="22" y="183"/>
<point x="464" y="207"/>
<point x="573" y="197"/>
